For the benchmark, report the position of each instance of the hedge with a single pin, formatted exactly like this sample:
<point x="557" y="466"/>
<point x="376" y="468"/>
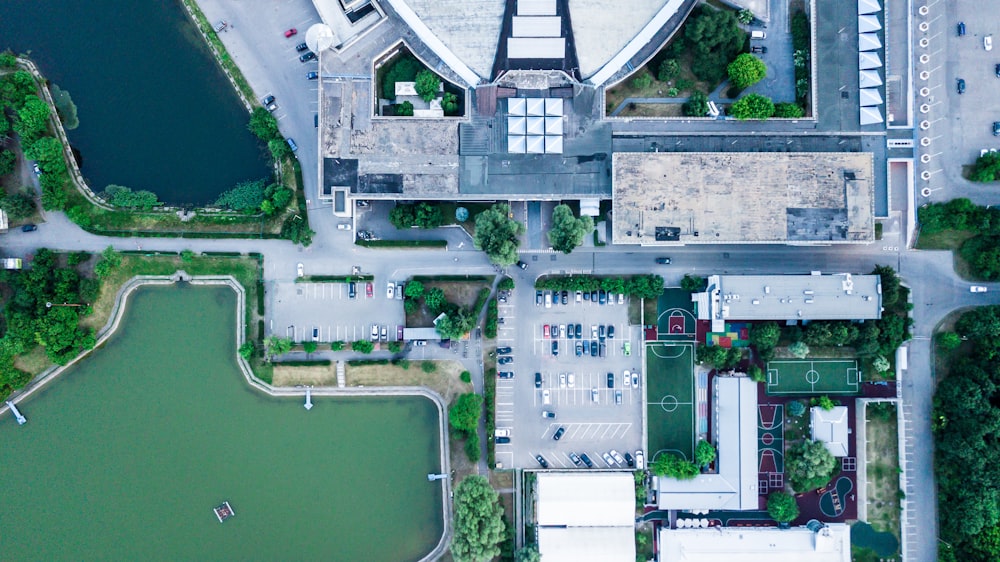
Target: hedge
<point x="316" y="363"/>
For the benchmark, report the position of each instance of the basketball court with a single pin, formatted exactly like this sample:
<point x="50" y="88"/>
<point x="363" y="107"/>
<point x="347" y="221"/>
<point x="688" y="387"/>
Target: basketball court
<point x="675" y="318"/>
<point x="813" y="376"/>
<point x="670" y="391"/>
<point x="770" y="446"/>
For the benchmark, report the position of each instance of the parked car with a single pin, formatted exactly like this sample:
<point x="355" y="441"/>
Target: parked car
<point x="300" y="270"/>
<point x="374" y="333"/>
<point x="572" y="380"/>
<point x="290" y="32"/>
<point x="562" y="380"/>
<point x="505" y="360"/>
<point x="558" y="434"/>
<point x="268" y="102"/>
<point x="369" y="290"/>
<point x="586" y="460"/>
<point x="996" y="128"/>
<point x="602" y="296"/>
<point x="315" y="334"/>
<point x="579" y="294"/>
<point x="663" y="261"/>
<point x="758" y="49"/>
<point x="538" y="380"/>
<point x="352" y="290"/>
<point x="608" y="459"/>
<point x="301" y="47"/>
<point x="579" y="348"/>
<point x="977" y="289"/>
<point x="522" y="265"/>
<point x="548" y="300"/>
<point x="420" y="343"/>
<point x="593" y="331"/>
<point x="593" y="296"/>
<point x="38" y="171"/>
<point x="629" y="460"/>
<point x="593" y="348"/>
<point x="385" y="334"/>
<point x="600" y="332"/>
<point x="291" y="144"/>
<point x="399" y="333"/>
<point x="502" y="440"/>
<point x="390" y="290"/>
<point x="576" y="459"/>
<point x="307" y="56"/>
<point x="579" y="331"/>
<point x="611" y="332"/>
<point x="618" y="458"/>
<point x="538" y="298"/>
<point x="503" y="350"/>
<point x="312" y="75"/>
<point x="961" y="86"/>
<point x="996" y="70"/>
<point x="626" y="379"/>
<point x="586" y="296"/>
<point x="548" y="415"/>
<point x="618" y="397"/>
<point x="220" y="25"/>
<point x="988" y="42"/>
<point x="639" y="461"/>
<point x="595" y="396"/>
<point x="505" y="374"/>
<point x="635" y="379"/>
<point x="541" y="460"/>
<point x="545" y="331"/>
<point x="565" y="297"/>
<point x="611" y="380"/>
<point x="961" y="28"/>
<point x="555" y="347"/>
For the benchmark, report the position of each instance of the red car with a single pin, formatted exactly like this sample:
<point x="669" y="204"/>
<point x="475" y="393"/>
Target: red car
<point x="368" y="290"/>
<point x="291" y="32"/>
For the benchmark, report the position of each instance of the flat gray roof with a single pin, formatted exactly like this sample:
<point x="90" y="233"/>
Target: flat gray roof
<point x="792" y="297"/>
<point x="665" y="198"/>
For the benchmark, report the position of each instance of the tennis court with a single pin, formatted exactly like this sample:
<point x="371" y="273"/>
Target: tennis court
<point x="813" y="376"/>
<point x="671" y="395"/>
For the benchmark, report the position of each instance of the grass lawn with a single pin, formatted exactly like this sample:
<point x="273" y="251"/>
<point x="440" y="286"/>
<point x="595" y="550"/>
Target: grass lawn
<point x="657" y="89"/>
<point x="445" y="380"/>
<point x="882" y="452"/>
<point x="796" y="428"/>
<point x="319" y="375"/>
<point x="462" y="293"/>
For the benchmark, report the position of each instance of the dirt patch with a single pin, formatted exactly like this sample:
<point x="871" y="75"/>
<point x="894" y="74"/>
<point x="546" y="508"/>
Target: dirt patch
<point x="319" y="375"/>
<point x="882" y="452"/>
<point x="445" y="380"/>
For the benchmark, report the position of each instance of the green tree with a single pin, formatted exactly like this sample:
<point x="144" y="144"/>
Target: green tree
<point x="274" y="346"/>
<point x="245" y="197"/>
<point x="567" y="231"/>
<point x="455" y="324"/>
<point x="669" y="464"/>
<point x="506" y="284"/>
<point x="986" y="168"/>
<point x="449" y="103"/>
<point x="704" y="453"/>
<point x="479" y="527"/>
<point x="32" y="118"/>
<point x="414" y="289"/>
<point x="744" y="16"/>
<point x="65" y="107"/>
<point x="712" y="354"/>
<point x="18" y="205"/>
<point x="782" y="507"/>
<point x="428" y="215"/>
<point x="404" y="109"/>
<point x="746" y="70"/>
<point x="8" y="60"/>
<point x="464" y="414"/>
<point x="669" y="69"/>
<point x="497" y="234"/>
<point x="809" y="465"/>
<point x="110" y="260"/>
<point x="788" y="110"/>
<point x="715" y="38"/>
<point x="756" y="374"/>
<point x="881" y="364"/>
<point x="309" y="347"/>
<point x="693" y="283"/>
<point x="642" y="80"/>
<point x="296" y="229"/>
<point x="337" y="346"/>
<point x="948" y="341"/>
<point x="799" y="349"/>
<point x="247" y="350"/>
<point x="471" y="447"/>
<point x="796" y="408"/>
<point x="187" y="256"/>
<point x="752" y="106"/>
<point x="465" y="376"/>
<point x="121" y="196"/>
<point x="696" y="105"/>
<point x="427" y="85"/>
<point x="363" y="346"/>
<point x="890" y="284"/>
<point x="435" y="300"/>
<point x="824" y="403"/>
<point x="7" y="162"/>
<point x="263" y="125"/>
<point x="529" y="553"/>
<point x="403" y="69"/>
<point x="428" y="366"/>
<point x="764" y="335"/>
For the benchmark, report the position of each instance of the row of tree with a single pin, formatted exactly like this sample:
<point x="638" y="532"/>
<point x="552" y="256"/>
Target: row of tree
<point x="638" y="286"/>
<point x="676" y="466"/>
<point x="981" y="251"/>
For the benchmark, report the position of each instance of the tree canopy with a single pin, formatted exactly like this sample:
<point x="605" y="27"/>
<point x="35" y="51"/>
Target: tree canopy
<point x="464" y="414"/>
<point x="782" y="507"/>
<point x="809" y="465"/>
<point x="669" y="464"/>
<point x="567" y="231"/>
<point x="746" y="70"/>
<point x="696" y="105"/>
<point x="498" y="235"/>
<point x="715" y="38"/>
<point x="427" y="84"/>
<point x="752" y="106"/>
<point x="704" y="453"/>
<point x="479" y="527"/>
<point x="764" y="335"/>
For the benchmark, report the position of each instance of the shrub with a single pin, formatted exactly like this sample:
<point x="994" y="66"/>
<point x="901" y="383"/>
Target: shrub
<point x="395" y="346"/>
<point x="799" y="349"/>
<point x="744" y="16"/>
<point x="881" y="364"/>
<point x="746" y="70"/>
<point x="337" y="346"/>
<point x="704" y="454"/>
<point x="948" y="340"/>
<point x="669" y="464"/>
<point x="796" y="408"/>
<point x="121" y="196"/>
<point x="363" y="346"/>
<point x="427" y="85"/>
<point x="669" y="69"/>
<point x="986" y="168"/>
<point x="403" y="69"/>
<point x="18" y="205"/>
<point x="673" y="92"/>
<point x="684" y="84"/>
<point x="449" y="103"/>
<point x="642" y="81"/>
<point x="472" y="451"/>
<point x="756" y="374"/>
<point x="782" y="507"/>
<point x="428" y="366"/>
<point x="788" y="110"/>
<point x="752" y="106"/>
<point x="404" y="109"/>
<point x="246" y="196"/>
<point x="696" y="105"/>
<point x="466" y="376"/>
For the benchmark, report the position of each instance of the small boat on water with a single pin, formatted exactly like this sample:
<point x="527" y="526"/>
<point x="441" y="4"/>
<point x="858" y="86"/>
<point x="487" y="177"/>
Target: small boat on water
<point x="224" y="511"/>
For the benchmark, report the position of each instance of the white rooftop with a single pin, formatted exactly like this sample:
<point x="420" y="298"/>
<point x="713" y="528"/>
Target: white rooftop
<point x="830" y="427"/>
<point x="735" y="485"/>
<point x="869" y="42"/>
<point x="867" y="24"/>
<point x="543" y="26"/>
<point x="870" y="115"/>
<point x="868" y="61"/>
<point x="756" y="544"/>
<point x="868" y="6"/>
<point x="586" y="499"/>
<point x="869" y="79"/>
<point x="792" y="297"/>
<point x="587" y="544"/>
<point x="870" y="96"/>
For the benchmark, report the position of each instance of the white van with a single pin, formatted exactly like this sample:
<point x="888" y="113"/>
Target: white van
<point x="757" y="34"/>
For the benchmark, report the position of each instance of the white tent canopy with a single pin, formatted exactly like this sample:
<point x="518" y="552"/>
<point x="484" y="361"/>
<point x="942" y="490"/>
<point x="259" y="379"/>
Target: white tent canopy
<point x="536" y="126"/>
<point x="535" y="144"/>
<point x="553" y="126"/>
<point x="554" y="107"/>
<point x="871" y="115"/>
<point x="516" y="144"/>
<point x="869" y="42"/>
<point x="515" y="106"/>
<point x="515" y="125"/>
<point x="868" y="6"/>
<point x="536" y="107"/>
<point x="553" y="144"/>
<point x="870" y="96"/>
<point x="867" y="24"/>
<point x="867" y="61"/>
<point x="869" y="79"/>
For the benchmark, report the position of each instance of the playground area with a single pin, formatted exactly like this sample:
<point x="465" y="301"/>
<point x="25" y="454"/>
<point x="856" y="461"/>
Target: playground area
<point x="813" y="377"/>
<point x="770" y="447"/>
<point x="676" y="319"/>
<point x="671" y="395"/>
<point x="737" y="334"/>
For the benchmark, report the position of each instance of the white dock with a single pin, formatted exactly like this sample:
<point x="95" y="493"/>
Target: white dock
<point x="433" y="477"/>
<point x="17" y="414"/>
<point x="309" y="403"/>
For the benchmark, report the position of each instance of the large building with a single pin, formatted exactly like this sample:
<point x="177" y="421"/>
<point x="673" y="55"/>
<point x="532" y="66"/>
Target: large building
<point x="813" y="543"/>
<point x="585" y="516"/>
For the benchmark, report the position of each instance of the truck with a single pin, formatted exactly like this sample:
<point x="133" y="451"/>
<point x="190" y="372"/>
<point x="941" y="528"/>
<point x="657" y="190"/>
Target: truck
<point x="12" y="263"/>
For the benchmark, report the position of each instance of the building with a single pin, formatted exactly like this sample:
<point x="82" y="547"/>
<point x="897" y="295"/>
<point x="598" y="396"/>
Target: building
<point x="586" y="516"/>
<point x="734" y="486"/>
<point x="813" y="543"/>
<point x="830" y="427"/>
<point x="789" y="298"/>
<point x="670" y="198"/>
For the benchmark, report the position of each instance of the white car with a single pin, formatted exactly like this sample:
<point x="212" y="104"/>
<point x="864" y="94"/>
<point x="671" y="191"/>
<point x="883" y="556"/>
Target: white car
<point x="572" y="380"/>
<point x="546" y="397"/>
<point x="579" y="296"/>
<point x="344" y="226"/>
<point x="988" y="42"/>
<point x="562" y="380"/>
<point x="390" y="290"/>
<point x="618" y="458"/>
<point x="977" y="289"/>
<point x="626" y="379"/>
<point x="502" y="432"/>
<point x="300" y="270"/>
<point x="594" y="395"/>
<point x="640" y="462"/>
<point x="374" y="332"/>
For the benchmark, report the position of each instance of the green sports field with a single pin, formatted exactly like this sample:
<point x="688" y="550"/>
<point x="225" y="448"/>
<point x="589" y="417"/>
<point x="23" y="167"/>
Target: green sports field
<point x="813" y="376"/>
<point x="670" y="395"/>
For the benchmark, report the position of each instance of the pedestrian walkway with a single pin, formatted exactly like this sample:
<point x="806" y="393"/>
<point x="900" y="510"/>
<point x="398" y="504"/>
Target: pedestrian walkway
<point x="341" y="378"/>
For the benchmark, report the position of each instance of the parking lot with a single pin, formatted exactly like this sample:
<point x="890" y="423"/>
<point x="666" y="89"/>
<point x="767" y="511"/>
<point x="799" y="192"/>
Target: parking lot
<point x="595" y="417"/>
<point x="328" y="309"/>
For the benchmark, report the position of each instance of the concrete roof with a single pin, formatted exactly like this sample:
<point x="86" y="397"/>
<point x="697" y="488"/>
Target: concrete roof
<point x="585" y="544"/>
<point x="600" y="34"/>
<point x="586" y="499"/>
<point x="735" y="485"/>
<point x="756" y="544"/>
<point x="831" y="428"/>
<point x="792" y="297"/>
<point x="743" y="197"/>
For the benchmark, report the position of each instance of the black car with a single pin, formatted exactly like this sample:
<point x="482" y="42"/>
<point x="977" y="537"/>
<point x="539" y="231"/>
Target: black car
<point x="611" y="332"/>
<point x="559" y="433"/>
<point x="593" y="348"/>
<point x="586" y="460"/>
<point x="301" y="47"/>
<point x="541" y="460"/>
<point x="506" y="374"/>
<point x="29" y="228"/>
<point x="555" y="348"/>
<point x="600" y="332"/>
<point x="538" y="298"/>
<point x="575" y="458"/>
<point x="611" y="380"/>
<point x="522" y="265"/>
<point x="352" y="290"/>
<point x="961" y="86"/>
<point x="628" y="459"/>
<point x="996" y="128"/>
<point x="538" y="380"/>
<point x="603" y="297"/>
<point x="307" y="56"/>
<point x="565" y="297"/>
<point x="505" y="360"/>
<point x="579" y="331"/>
<point x="663" y="261"/>
<point x="996" y="69"/>
<point x="503" y="351"/>
<point x="961" y="28"/>
<point x="586" y="295"/>
<point x="502" y="440"/>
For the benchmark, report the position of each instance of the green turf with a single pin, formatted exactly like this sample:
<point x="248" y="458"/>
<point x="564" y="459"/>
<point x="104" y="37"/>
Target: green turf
<point x="674" y="376"/>
<point x="674" y="299"/>
<point x="832" y="376"/>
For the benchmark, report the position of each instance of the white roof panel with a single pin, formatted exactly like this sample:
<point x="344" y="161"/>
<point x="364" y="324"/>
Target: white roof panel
<point x="554" y="107"/>
<point x="868" y="23"/>
<point x="756" y="544"/>
<point x="535" y="144"/>
<point x="870" y="96"/>
<point x="553" y="125"/>
<point x="577" y="499"/>
<point x="516" y="106"/>
<point x="830" y="427"/>
<point x="515" y="125"/>
<point x="536" y="47"/>
<point x="547" y="26"/>
<point x="536" y="126"/>
<point x="871" y="115"/>
<point x="536" y="106"/>
<point x="536" y="7"/>
<point x="516" y="144"/>
<point x="553" y="144"/>
<point x="869" y="42"/>
<point x="869" y="79"/>
<point x="590" y="544"/>
<point x="868" y="6"/>
<point x="868" y="61"/>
